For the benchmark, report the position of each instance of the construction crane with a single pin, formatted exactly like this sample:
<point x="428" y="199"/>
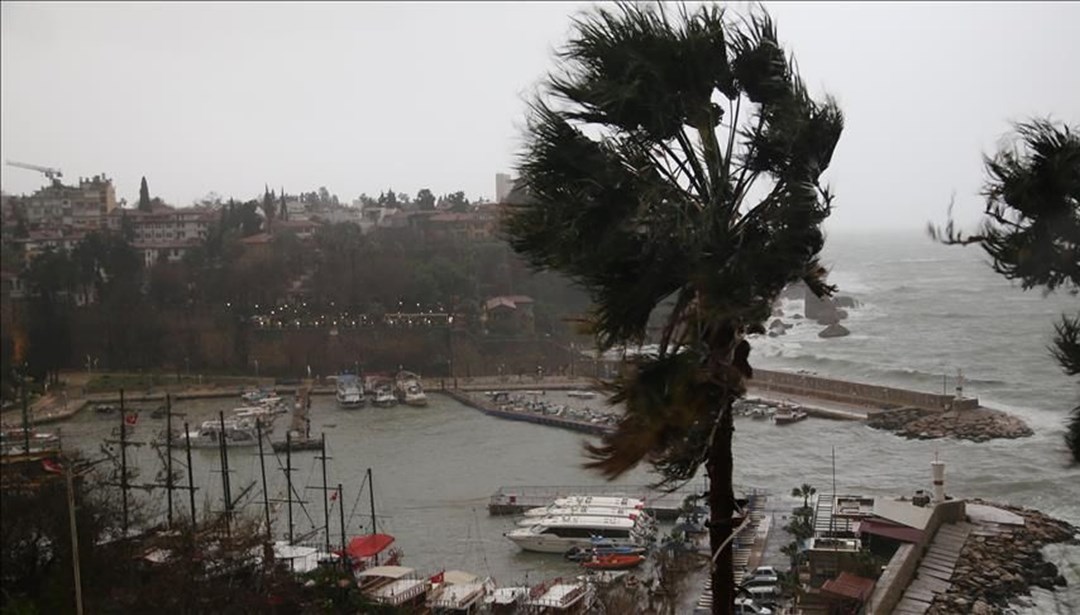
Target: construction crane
<point x="49" y="172"/>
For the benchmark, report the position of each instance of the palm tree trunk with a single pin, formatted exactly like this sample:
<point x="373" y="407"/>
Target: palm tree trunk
<point x="722" y="506"/>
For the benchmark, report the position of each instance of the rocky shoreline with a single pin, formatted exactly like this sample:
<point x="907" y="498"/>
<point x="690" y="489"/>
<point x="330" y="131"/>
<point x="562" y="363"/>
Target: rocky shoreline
<point x="996" y="570"/>
<point x="977" y="425"/>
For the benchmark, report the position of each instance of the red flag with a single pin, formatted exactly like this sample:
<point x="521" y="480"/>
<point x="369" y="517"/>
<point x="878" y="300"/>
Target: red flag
<point x="52" y="466"/>
<point x="131" y="419"/>
<point x="333" y="496"/>
<point x="438" y="578"/>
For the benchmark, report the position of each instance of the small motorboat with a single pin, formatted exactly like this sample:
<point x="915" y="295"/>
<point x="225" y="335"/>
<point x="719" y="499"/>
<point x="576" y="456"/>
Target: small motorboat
<point x="584" y="554"/>
<point x="786" y="416"/>
<point x="614" y="561"/>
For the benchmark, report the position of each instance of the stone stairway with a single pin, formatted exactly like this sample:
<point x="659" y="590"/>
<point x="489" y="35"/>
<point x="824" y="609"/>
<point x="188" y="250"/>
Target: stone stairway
<point x="935" y="570"/>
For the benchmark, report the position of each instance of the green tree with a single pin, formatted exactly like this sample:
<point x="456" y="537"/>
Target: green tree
<point x="425" y="200"/>
<point x="144" y="195"/>
<point x="269" y="205"/>
<point x="805" y="492"/>
<point x="637" y="186"/>
<point x="1032" y="227"/>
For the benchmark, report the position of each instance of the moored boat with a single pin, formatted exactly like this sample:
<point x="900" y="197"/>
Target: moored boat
<point x="237" y="432"/>
<point x="561" y="596"/>
<point x="786" y="416"/>
<point x="560" y="534"/>
<point x="350" y="393"/>
<point x="600" y="500"/>
<point x="396" y="586"/>
<point x="603" y="511"/>
<point x="455" y="591"/>
<point x="614" y="561"/>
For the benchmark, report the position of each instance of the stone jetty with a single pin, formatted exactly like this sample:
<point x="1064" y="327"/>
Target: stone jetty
<point x="999" y="566"/>
<point x="975" y="424"/>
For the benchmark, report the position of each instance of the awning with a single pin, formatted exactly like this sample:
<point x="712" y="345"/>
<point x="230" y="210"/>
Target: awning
<point x="368" y="545"/>
<point x="892" y="531"/>
<point x="849" y="586"/>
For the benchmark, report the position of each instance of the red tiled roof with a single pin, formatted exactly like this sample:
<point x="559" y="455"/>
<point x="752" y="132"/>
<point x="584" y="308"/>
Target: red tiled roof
<point x="849" y="586"/>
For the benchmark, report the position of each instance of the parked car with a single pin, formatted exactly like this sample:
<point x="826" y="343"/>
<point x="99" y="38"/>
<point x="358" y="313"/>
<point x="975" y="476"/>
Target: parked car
<point x="746" y="606"/>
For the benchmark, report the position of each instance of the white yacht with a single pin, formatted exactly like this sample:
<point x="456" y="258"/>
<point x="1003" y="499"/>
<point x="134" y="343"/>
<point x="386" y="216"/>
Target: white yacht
<point x="384" y="396"/>
<point x="237" y="432"/>
<point x="349" y="392"/>
<point x="414" y="394"/>
<point x="603" y="511"/>
<point x="600" y="500"/>
<point x="560" y="534"/>
<point x="641" y="516"/>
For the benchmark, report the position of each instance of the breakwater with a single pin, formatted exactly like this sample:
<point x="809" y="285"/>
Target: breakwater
<point x="491" y="409"/>
<point x="857" y="392"/>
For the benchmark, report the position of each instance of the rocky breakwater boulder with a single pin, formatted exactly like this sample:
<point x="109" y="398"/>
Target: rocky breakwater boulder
<point x="834" y="330"/>
<point x="977" y="425"/>
<point x="998" y="569"/>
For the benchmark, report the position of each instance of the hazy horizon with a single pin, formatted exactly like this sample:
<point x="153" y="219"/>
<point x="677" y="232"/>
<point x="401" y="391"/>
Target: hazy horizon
<point x="227" y="98"/>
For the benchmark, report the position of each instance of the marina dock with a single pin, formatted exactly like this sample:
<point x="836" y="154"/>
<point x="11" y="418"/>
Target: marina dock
<point x="491" y="409"/>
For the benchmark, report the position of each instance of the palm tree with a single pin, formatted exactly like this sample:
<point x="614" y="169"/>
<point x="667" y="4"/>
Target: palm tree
<point x="671" y="168"/>
<point x="1032" y="227"/>
<point x="805" y="492"/>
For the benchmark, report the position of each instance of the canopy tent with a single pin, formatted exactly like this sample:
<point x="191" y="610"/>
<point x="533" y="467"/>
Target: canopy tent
<point x="368" y="545"/>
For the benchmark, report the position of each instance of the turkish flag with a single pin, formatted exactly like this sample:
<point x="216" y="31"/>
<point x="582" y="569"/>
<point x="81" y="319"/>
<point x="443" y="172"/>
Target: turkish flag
<point x="131" y="419"/>
<point x="438" y="578"/>
<point x="333" y="496"/>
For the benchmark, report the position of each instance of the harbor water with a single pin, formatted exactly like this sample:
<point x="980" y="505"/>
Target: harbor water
<point x="925" y="310"/>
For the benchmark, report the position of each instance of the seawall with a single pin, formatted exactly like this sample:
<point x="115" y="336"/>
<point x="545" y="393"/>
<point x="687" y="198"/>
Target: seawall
<point x="856" y="392"/>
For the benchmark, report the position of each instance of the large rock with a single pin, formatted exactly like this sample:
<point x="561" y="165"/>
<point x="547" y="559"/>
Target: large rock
<point x="834" y="330"/>
<point x="845" y="302"/>
<point x="821" y="309"/>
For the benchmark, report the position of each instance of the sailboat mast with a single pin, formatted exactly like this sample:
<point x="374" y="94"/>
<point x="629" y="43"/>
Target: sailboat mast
<point x="190" y="475"/>
<point x="262" y="472"/>
<point x="288" y="481"/>
<point x="325" y="502"/>
<point x="168" y="456"/>
<point x="225" y="472"/>
<point x="123" y="461"/>
<point x="341" y="519"/>
<point x="371" y="496"/>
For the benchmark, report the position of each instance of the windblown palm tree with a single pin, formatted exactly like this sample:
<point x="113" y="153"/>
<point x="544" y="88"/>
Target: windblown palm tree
<point x="1032" y="227"/>
<point x="672" y="168"/>
<point x="804" y="492"/>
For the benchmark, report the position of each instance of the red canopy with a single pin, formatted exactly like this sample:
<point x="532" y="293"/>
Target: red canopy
<point x="368" y="545"/>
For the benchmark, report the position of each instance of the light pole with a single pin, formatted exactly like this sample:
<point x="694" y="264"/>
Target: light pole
<point x="256" y="368"/>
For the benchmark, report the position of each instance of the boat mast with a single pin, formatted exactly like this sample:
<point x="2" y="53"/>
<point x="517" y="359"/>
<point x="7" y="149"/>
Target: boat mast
<point x="262" y="471"/>
<point x="288" y="481"/>
<point x="123" y="462"/>
<point x="341" y="515"/>
<point x="225" y="472"/>
<point x="325" y="502"/>
<point x="168" y="456"/>
<point x="371" y="495"/>
<point x="190" y="475"/>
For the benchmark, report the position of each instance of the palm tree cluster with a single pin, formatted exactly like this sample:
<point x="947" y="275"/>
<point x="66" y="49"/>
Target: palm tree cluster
<point x="672" y="168"/>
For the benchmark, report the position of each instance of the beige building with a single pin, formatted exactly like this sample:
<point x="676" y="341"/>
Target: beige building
<point x="83" y="207"/>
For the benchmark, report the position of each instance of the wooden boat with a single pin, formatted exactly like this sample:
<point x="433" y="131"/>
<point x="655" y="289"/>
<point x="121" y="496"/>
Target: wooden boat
<point x="614" y="561"/>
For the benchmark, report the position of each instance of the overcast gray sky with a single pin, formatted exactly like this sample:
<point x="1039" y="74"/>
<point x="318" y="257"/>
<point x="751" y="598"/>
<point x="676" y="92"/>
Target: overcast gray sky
<point x="202" y="97"/>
